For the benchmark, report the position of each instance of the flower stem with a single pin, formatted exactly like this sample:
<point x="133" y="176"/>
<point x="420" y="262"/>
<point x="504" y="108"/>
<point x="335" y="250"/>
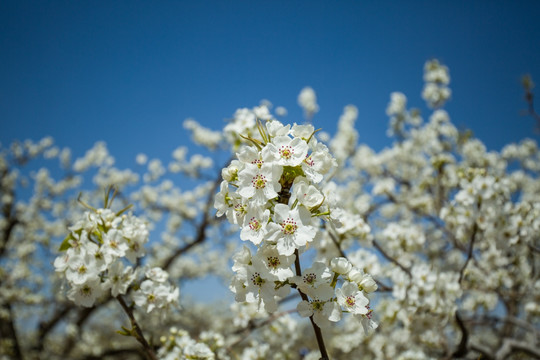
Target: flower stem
<point x="316" y="328"/>
<point x="136" y="330"/>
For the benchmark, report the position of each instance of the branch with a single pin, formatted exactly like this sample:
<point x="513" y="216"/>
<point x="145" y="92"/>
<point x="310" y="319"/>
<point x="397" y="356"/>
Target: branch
<point x="469" y="252"/>
<point x="390" y="258"/>
<point x="529" y="98"/>
<point x="512" y="345"/>
<point x="136" y="330"/>
<point x="318" y="333"/>
<point x="462" y="349"/>
<point x="201" y="229"/>
<point x="46" y="326"/>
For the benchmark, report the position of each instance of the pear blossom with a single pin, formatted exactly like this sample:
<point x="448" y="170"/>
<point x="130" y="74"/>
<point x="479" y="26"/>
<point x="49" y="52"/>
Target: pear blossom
<point x="352" y="299"/>
<point x="291" y="228"/>
<point x="260" y="184"/>
<point x="289" y="152"/>
<point x="321" y="306"/>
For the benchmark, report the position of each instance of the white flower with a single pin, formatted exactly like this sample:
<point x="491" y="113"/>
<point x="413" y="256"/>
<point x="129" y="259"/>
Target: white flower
<point x="260" y="184"/>
<point x="81" y="268"/>
<point x="313" y="277"/>
<point x="155" y="295"/>
<point x="308" y="101"/>
<point x="86" y="294"/>
<point x="262" y="112"/>
<point x="352" y="299"/>
<point x="397" y="105"/>
<point x="302" y="131"/>
<point x="157" y="274"/>
<point x="277" y="265"/>
<point x="114" y="243"/>
<point x="322" y="307"/>
<point x="340" y="265"/>
<point x="365" y="281"/>
<point x="119" y="279"/>
<point x="318" y="163"/>
<point x="289" y="152"/>
<point x="260" y="287"/>
<point x="276" y="128"/>
<point x="291" y="228"/>
<point x="307" y="194"/>
<point x="254" y="228"/>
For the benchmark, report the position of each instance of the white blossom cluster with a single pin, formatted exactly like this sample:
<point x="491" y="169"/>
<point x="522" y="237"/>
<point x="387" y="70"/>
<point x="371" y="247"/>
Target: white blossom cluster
<point x="436" y="77"/>
<point x="94" y="258"/>
<point x="179" y="345"/>
<point x="278" y="205"/>
<point x="307" y="99"/>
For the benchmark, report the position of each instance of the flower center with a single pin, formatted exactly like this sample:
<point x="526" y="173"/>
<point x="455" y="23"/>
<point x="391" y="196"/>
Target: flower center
<point x="258" y="163"/>
<point x="350" y="301"/>
<point x="289" y="226"/>
<point x="369" y="313"/>
<point x="286" y="151"/>
<point x="309" y="160"/>
<point x="259" y="181"/>
<point x="310" y="278"/>
<point x="240" y="209"/>
<point x="256" y="279"/>
<point x="317" y="305"/>
<point x="82" y="269"/>
<point x="273" y="261"/>
<point x="254" y="224"/>
<point x="86" y="291"/>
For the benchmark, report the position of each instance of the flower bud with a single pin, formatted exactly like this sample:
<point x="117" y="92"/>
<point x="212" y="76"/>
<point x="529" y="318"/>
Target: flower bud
<point x="340" y="265"/>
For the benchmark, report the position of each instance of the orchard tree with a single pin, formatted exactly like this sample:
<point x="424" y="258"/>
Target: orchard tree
<point x="428" y="249"/>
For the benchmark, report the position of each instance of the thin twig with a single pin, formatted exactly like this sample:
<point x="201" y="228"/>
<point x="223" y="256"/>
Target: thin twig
<point x="136" y="330"/>
<point x="469" y="252"/>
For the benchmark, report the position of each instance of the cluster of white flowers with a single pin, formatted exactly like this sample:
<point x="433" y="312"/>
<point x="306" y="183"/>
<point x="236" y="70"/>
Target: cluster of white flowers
<point x="437" y="78"/>
<point x="278" y="205"/>
<point x="94" y="257"/>
<point x="201" y="135"/>
<point x="179" y="345"/>
<point x="307" y="99"/>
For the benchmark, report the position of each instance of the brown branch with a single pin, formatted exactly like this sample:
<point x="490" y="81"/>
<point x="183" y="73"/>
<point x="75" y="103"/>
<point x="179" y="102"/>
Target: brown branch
<point x="390" y="258"/>
<point x="8" y="332"/>
<point x="316" y="329"/>
<point x="513" y="345"/>
<point x="136" y="331"/>
<point x="469" y="252"/>
<point x="45" y="327"/>
<point x="529" y="98"/>
<point x="462" y="349"/>
<point x="254" y="325"/>
<point x="201" y="229"/>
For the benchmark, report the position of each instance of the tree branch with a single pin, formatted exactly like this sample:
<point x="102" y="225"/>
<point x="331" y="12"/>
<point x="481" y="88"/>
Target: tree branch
<point x="136" y="330"/>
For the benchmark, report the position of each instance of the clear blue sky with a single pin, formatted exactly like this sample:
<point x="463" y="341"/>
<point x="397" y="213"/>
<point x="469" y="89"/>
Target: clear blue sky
<point x="129" y="72"/>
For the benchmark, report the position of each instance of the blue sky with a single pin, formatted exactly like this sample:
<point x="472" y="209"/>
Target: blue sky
<point x="129" y="72"/>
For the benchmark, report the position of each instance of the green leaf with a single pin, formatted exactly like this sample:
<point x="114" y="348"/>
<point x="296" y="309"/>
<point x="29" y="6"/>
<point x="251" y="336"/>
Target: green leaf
<point x="125" y="331"/>
<point x="65" y="244"/>
<point x="124" y="210"/>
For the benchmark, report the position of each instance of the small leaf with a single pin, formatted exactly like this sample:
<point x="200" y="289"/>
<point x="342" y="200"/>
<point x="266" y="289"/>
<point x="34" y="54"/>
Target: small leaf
<point x="124" y="210"/>
<point x="65" y="244"/>
<point x="125" y="331"/>
<point x="255" y="142"/>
